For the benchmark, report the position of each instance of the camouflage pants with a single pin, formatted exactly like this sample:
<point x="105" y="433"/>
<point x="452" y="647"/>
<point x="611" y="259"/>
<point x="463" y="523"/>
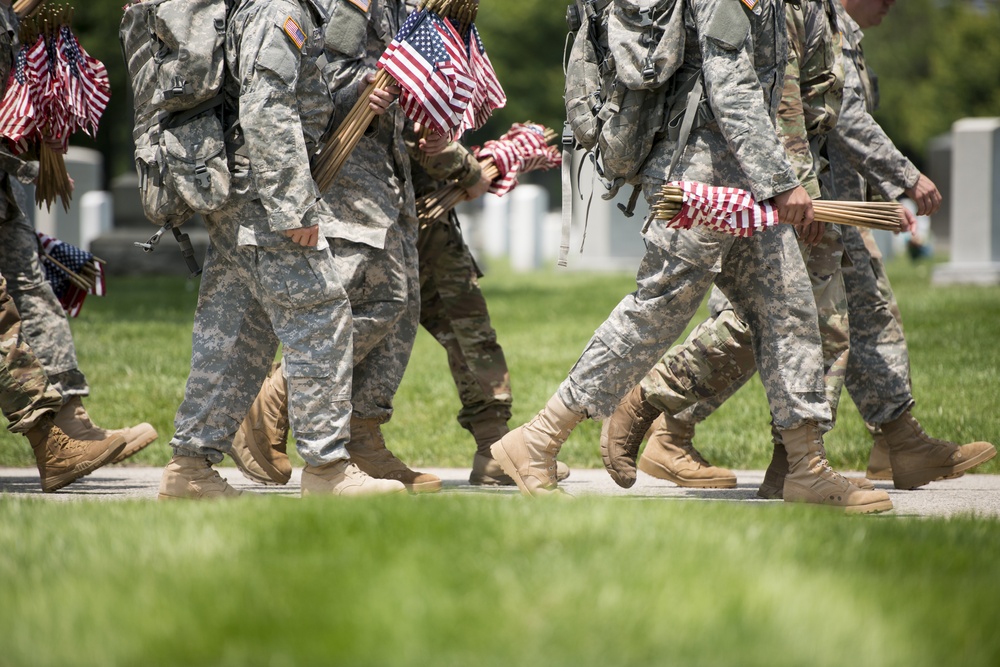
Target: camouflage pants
<point x="25" y="393"/>
<point x="878" y="370"/>
<point x="765" y="278"/>
<point x="250" y="299"/>
<point x="383" y="288"/>
<point x="43" y="320"/>
<point x="453" y="310"/>
<point x="693" y="379"/>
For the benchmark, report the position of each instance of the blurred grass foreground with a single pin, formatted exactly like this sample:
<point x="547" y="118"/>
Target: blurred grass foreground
<point x="494" y="579"/>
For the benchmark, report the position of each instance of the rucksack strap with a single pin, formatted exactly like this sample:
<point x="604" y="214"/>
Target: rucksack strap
<point x="567" y="193"/>
<point x="687" y="123"/>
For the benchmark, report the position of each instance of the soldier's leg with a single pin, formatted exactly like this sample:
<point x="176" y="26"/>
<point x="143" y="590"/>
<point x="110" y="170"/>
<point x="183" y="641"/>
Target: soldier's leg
<point x="766" y="279"/>
<point x="377" y="376"/>
<point x="46" y="329"/>
<point x="878" y="379"/>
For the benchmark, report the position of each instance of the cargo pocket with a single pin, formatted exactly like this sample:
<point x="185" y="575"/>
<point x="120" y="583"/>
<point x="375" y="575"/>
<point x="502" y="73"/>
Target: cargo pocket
<point x="195" y="159"/>
<point x="159" y="201"/>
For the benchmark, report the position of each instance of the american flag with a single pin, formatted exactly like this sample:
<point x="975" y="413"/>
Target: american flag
<point x="522" y="148"/>
<point x="86" y="81"/>
<point x="729" y="210"/>
<point x="432" y="71"/>
<point x="17" y="110"/>
<point x="70" y="294"/>
<point x="489" y="93"/>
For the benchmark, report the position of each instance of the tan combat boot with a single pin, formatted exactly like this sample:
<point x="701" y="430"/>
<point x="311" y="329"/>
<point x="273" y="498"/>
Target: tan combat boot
<point x="622" y="434"/>
<point x="670" y="455"/>
<point x="74" y="421"/>
<point x="485" y="470"/>
<point x="193" y="477"/>
<point x="528" y="453"/>
<point x="878" y="460"/>
<point x="810" y="478"/>
<point x="773" y="486"/>
<point x="368" y="451"/>
<point x="917" y="458"/>
<point x="62" y="459"/>
<point x="343" y="478"/>
<point x="259" y="448"/>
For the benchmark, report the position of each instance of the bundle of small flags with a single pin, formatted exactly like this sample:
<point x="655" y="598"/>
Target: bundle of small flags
<point x="54" y="89"/>
<point x="447" y="81"/>
<point x="734" y="211"/>
<point x="523" y="148"/>
<point x="73" y="273"/>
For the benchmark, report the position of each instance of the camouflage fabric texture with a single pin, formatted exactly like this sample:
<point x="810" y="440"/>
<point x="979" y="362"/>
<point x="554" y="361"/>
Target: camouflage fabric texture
<point x="374" y="230"/>
<point x="255" y="295"/>
<point x="25" y="393"/>
<point x="741" y="55"/>
<point x="694" y="378"/>
<point x="452" y="306"/>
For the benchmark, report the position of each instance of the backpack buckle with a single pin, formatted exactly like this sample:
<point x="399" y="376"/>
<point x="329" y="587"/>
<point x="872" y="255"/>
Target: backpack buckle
<point x="201" y="176"/>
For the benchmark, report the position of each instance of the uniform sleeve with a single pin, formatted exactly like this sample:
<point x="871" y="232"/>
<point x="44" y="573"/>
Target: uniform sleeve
<point x="734" y="94"/>
<point x="791" y="114"/>
<point x="865" y="144"/>
<point x="270" y="49"/>
<point x="454" y="163"/>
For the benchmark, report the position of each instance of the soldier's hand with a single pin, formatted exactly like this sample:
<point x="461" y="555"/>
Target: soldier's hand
<point x="430" y="141"/>
<point x="307" y="237"/>
<point x="479" y="189"/>
<point x="926" y="195"/>
<point x="794" y="206"/>
<point x="907" y="221"/>
<point x="380" y="99"/>
<point x="812" y="233"/>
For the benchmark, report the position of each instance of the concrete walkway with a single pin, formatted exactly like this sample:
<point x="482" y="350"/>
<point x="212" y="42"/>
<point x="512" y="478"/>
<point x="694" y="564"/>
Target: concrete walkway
<point x="970" y="494"/>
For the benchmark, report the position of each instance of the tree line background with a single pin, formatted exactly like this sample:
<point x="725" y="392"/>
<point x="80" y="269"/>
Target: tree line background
<point x="937" y="61"/>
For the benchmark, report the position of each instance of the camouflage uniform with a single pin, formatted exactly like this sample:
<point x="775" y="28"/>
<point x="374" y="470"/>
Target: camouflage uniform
<point x="44" y="323"/>
<point x="716" y="358"/>
<point x="763" y="275"/>
<point x="374" y="230"/>
<point x="25" y="393"/>
<point x="452" y="307"/>
<point x="878" y="371"/>
<point x="258" y="287"/>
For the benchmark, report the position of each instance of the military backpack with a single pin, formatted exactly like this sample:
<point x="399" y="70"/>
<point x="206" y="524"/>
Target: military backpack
<point x="174" y="50"/>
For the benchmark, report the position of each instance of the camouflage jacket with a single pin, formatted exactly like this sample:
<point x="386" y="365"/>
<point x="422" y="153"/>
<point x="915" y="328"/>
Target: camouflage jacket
<point x="373" y="189"/>
<point x="814" y="86"/>
<point x="10" y="164"/>
<point x="741" y="54"/>
<point x="859" y="148"/>
<point x="455" y="163"/>
<point x="276" y="91"/>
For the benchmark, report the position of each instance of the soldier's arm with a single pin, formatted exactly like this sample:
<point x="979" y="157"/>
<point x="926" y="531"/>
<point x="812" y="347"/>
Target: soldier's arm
<point x="455" y="163"/>
<point x="865" y="144"/>
<point x="23" y="170"/>
<point x="346" y="43"/>
<point x="737" y="101"/>
<point x="269" y="65"/>
<point x="791" y="111"/>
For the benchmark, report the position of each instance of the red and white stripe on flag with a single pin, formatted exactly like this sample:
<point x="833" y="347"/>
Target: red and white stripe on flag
<point x="728" y="210"/>
<point x="520" y="149"/>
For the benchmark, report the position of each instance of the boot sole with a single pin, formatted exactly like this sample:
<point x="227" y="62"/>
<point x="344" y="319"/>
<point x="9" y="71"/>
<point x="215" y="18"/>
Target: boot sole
<point x="82" y="470"/>
<point x="135" y="446"/>
<point x="916" y="479"/>
<point x="870" y="508"/>
<point x="269" y="478"/>
<point x="424" y="487"/>
<point x="660" y="472"/>
<point x="486" y="480"/>
<point x="884" y="475"/>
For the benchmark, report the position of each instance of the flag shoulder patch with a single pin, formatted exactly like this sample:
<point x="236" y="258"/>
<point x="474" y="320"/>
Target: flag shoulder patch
<point x="363" y="5"/>
<point x="752" y="5"/>
<point x="294" y="32"/>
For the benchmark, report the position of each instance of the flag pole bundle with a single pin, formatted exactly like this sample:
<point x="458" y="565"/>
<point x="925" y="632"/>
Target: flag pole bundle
<point x="734" y="211"/>
<point x="54" y="89"/>
<point x="25" y="7"/>
<point x="523" y="148"/>
<point x="73" y="273"/>
<point x="440" y="65"/>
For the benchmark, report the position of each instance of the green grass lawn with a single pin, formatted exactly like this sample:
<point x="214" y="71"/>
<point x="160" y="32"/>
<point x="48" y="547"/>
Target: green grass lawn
<point x="494" y="579"/>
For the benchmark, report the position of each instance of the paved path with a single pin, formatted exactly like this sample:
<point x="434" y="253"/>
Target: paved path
<point x="978" y="494"/>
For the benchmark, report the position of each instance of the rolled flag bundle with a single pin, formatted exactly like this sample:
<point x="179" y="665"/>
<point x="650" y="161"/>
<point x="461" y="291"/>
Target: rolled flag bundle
<point x="54" y="89"/>
<point x="73" y="273"/>
<point x="523" y="148"/>
<point x="445" y="76"/>
<point x="735" y="211"/>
